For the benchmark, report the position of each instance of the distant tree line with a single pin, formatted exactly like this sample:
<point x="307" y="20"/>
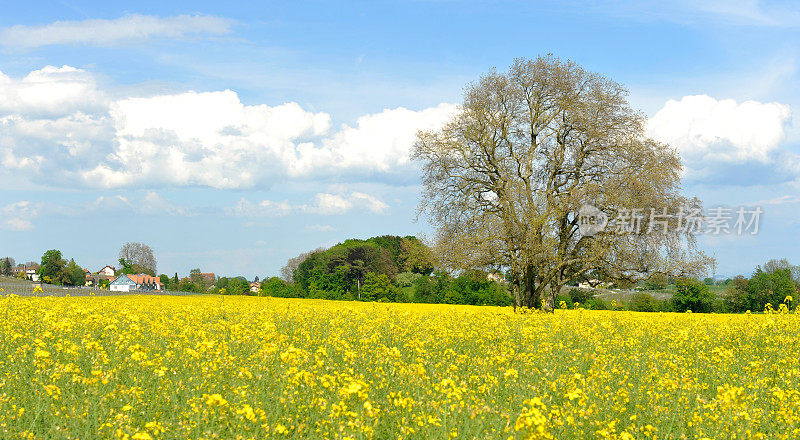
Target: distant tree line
<point x="385" y="268"/>
<point x="771" y="285"/>
<point x="54" y="269"/>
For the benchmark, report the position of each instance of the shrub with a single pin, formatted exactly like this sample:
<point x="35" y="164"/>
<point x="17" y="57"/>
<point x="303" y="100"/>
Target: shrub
<point x="692" y="295"/>
<point x="655" y="282"/>
<point x="405" y="279"/>
<point x="580" y="296"/>
<point x="278" y="288"/>
<point x="378" y="287"/>
<point x="643" y="302"/>
<point x="597" y="304"/>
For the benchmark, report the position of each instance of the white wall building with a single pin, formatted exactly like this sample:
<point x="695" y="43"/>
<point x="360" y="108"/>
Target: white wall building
<point x="122" y="284"/>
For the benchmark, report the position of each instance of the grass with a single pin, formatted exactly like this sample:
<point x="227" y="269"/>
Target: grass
<point x="153" y="367"/>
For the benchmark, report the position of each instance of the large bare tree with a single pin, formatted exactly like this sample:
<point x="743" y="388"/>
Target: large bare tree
<point x="139" y="256"/>
<point x="505" y="179"/>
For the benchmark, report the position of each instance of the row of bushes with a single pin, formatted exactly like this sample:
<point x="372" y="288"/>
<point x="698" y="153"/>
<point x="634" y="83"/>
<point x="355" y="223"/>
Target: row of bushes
<point x="470" y="288"/>
<point x="763" y="291"/>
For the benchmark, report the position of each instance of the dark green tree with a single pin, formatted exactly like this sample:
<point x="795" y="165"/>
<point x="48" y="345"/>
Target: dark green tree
<point x="770" y="288"/>
<point x="73" y="274"/>
<point x="692" y="295"/>
<point x="278" y="288"/>
<point x="378" y="287"/>
<point x="51" y="267"/>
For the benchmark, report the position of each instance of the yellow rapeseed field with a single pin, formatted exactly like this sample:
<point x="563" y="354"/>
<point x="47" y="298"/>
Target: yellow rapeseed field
<point x="206" y="367"/>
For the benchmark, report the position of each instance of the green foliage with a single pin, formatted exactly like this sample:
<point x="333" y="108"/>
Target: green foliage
<point x="278" y="288"/>
<point x="73" y="275"/>
<point x="343" y="268"/>
<point x="406" y="279"/>
<point x="692" y="295"/>
<point x="735" y="298"/>
<point x="51" y="267"/>
<point x="389" y="268"/>
<point x="770" y="288"/>
<point x="232" y="286"/>
<point x="655" y="282"/>
<point x="129" y="268"/>
<point x="189" y="286"/>
<point x="54" y="269"/>
<point x="6" y="264"/>
<point x="378" y="287"/>
<point x="474" y="288"/>
<point x="643" y="302"/>
<point x="580" y="296"/>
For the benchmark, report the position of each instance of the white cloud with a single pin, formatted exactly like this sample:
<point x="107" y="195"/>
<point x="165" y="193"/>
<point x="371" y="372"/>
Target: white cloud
<point x="371" y="203"/>
<point x="325" y="203"/>
<point x="103" y="32"/>
<point x="267" y="208"/>
<point x="17" y="216"/>
<point x="782" y="200"/>
<point x="320" y="228"/>
<point x="62" y="129"/>
<point x="378" y="142"/>
<point x="707" y="131"/>
<point x="321" y="204"/>
<point x="52" y="91"/>
<point x="150" y="203"/>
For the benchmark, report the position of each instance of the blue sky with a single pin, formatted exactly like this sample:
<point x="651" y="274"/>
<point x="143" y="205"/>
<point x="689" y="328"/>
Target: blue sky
<point x="232" y="137"/>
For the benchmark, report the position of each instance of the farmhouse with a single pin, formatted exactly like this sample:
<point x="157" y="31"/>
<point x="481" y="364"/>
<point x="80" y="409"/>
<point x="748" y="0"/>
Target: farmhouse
<point x="255" y="287"/>
<point x="106" y="273"/>
<point x="28" y="271"/>
<point x="128" y="283"/>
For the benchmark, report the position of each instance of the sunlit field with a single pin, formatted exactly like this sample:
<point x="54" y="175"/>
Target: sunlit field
<point x="250" y="368"/>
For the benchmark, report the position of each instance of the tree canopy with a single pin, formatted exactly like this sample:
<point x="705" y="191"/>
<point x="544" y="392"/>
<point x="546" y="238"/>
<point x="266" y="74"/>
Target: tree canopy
<point x="504" y="181"/>
<point x="137" y="258"/>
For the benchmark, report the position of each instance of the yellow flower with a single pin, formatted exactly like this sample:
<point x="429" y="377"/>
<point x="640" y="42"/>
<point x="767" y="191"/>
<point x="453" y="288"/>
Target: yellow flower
<point x="215" y="400"/>
<point x="41" y="354"/>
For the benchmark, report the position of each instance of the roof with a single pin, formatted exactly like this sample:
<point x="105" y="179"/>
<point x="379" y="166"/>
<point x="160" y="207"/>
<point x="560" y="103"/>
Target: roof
<point x="123" y="279"/>
<point x="138" y="279"/>
<point x="145" y="279"/>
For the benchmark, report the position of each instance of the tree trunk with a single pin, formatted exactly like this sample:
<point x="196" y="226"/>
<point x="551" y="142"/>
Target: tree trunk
<point x="530" y="293"/>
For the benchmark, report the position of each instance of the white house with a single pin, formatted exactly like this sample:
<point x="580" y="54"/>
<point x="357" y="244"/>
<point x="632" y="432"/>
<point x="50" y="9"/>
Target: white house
<point x="127" y="283"/>
<point x="122" y="284"/>
<point x="108" y="271"/>
<point x="31" y="274"/>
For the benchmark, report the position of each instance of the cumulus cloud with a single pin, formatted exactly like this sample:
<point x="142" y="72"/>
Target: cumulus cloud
<point x="150" y="203"/>
<point x="321" y="204"/>
<point x="67" y="131"/>
<point x="706" y="130"/>
<point x="103" y="32"/>
<point x="20" y="216"/>
<point x="17" y="216"/>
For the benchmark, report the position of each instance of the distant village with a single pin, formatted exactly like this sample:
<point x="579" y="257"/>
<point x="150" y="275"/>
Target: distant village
<point x="110" y="278"/>
<point x="136" y="273"/>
